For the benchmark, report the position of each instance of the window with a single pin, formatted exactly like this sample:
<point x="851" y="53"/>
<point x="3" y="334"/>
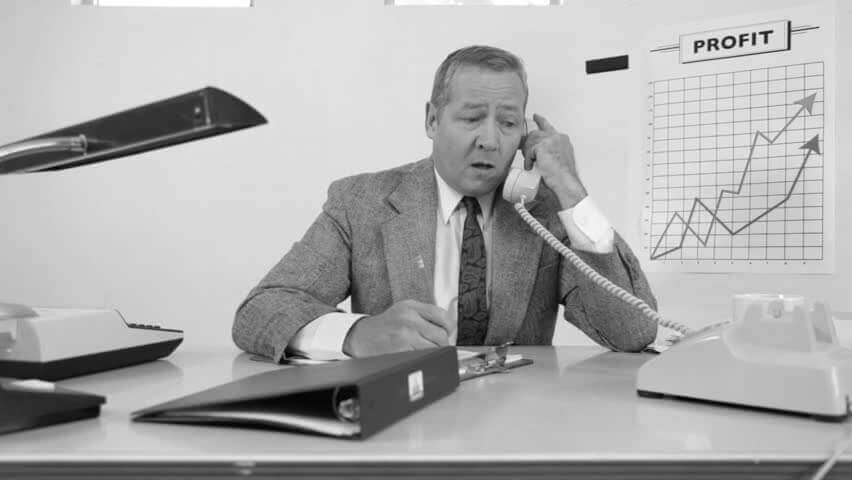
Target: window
<point x="163" y="3"/>
<point x="542" y="3"/>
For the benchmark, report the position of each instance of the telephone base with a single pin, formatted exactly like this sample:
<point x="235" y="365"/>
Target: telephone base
<point x="816" y="416"/>
<point x="86" y="364"/>
<point x="777" y="356"/>
<point x="58" y="343"/>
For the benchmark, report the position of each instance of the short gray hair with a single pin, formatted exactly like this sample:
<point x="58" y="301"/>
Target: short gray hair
<point x="488" y="58"/>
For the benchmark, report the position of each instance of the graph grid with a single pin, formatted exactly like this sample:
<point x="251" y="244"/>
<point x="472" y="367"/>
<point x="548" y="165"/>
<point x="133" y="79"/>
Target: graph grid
<point x="735" y="166"/>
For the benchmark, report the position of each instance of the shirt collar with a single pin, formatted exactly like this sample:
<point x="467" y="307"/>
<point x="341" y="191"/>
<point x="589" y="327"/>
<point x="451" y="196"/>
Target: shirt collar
<point x="448" y="200"/>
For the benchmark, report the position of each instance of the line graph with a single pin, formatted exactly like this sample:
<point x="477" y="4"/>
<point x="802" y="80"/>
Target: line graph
<point x="735" y="170"/>
<point x="811" y="146"/>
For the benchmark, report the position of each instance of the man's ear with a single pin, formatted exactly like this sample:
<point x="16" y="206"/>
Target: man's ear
<point x="431" y="122"/>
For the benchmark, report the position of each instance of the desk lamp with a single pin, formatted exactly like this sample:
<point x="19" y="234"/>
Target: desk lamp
<point x="57" y="343"/>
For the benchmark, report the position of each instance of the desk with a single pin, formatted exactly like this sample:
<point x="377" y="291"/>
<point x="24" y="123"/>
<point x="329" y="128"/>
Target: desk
<point x="575" y="411"/>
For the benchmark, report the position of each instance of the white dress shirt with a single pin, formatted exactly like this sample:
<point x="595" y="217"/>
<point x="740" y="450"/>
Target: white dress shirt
<point x="587" y="229"/>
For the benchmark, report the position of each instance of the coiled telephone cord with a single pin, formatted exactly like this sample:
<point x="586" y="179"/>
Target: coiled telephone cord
<point x="599" y="279"/>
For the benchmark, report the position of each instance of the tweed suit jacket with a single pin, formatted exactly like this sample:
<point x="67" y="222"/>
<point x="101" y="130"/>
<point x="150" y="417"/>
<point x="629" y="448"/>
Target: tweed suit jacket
<point x="374" y="241"/>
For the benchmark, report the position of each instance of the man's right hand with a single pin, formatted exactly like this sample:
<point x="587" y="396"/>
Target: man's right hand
<point x="406" y="325"/>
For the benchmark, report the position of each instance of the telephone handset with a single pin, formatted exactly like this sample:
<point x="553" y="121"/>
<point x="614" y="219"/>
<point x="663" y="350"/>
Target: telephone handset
<point x="521" y="183"/>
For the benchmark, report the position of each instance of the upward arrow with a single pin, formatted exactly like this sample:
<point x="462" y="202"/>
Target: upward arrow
<point x="812" y="145"/>
<point x="807" y="103"/>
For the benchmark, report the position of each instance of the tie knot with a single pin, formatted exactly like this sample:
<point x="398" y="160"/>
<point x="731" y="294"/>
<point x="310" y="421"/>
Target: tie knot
<point x="472" y="205"/>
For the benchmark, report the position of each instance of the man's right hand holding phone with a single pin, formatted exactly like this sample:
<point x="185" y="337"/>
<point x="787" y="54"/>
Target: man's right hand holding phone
<point x="553" y="154"/>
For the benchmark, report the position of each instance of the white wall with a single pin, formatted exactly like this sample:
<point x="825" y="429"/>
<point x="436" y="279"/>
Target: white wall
<point x="179" y="236"/>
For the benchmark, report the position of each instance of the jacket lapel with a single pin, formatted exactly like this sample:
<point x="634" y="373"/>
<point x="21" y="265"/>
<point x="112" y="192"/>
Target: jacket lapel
<point x="410" y="236"/>
<point x="409" y="240"/>
<point x="516" y="251"/>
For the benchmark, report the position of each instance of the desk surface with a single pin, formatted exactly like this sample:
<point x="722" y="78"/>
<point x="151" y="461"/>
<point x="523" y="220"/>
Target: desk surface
<point x="574" y="411"/>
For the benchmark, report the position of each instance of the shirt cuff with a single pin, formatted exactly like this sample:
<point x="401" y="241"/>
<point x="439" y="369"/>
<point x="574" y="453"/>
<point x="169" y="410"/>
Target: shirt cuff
<point x="323" y="338"/>
<point x="587" y="227"/>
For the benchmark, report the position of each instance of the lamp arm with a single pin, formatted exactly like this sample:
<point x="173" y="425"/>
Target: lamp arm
<point x="77" y="144"/>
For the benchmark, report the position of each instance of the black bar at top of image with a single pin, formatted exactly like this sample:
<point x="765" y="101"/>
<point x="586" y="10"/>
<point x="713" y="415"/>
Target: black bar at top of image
<point x="608" y="64"/>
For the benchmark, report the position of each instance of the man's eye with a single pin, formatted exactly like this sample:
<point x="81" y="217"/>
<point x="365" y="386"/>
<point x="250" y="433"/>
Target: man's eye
<point x="470" y="119"/>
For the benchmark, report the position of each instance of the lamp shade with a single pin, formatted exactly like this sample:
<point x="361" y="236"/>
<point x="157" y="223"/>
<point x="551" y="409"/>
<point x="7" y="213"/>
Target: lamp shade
<point x="183" y="118"/>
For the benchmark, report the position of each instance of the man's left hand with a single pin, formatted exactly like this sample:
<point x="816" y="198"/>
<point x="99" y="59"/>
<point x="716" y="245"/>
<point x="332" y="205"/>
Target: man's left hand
<point x="553" y="153"/>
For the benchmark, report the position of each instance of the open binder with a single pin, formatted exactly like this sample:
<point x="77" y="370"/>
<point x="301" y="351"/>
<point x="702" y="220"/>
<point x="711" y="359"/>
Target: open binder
<point x="353" y="398"/>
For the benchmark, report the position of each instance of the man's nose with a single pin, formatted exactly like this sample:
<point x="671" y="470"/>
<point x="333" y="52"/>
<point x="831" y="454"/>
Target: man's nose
<point x="488" y="137"/>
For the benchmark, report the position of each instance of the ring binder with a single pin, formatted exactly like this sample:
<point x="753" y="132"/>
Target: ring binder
<point x="353" y="398"/>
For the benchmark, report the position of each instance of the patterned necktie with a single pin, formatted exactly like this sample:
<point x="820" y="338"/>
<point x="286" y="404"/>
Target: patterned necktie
<point x="473" y="307"/>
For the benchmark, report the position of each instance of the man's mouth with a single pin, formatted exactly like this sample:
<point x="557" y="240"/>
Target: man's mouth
<point x="482" y="165"/>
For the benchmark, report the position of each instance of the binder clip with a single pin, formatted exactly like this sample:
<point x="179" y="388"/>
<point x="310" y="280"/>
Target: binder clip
<point x="493" y="360"/>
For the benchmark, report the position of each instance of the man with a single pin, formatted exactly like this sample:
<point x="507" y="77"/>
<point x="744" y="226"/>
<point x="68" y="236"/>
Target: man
<point x="409" y="244"/>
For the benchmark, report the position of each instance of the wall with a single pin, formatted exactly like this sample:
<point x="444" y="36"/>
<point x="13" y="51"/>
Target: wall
<point x="179" y="236"/>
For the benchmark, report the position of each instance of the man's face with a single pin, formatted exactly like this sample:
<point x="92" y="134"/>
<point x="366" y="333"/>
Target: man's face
<point x="475" y="137"/>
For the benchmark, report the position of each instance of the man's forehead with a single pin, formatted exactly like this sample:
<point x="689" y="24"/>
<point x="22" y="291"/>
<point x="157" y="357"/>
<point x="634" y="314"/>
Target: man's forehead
<point x="473" y="87"/>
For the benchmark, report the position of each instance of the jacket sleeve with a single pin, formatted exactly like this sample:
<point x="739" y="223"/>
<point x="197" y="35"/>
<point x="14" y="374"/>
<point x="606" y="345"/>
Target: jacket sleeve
<point x="608" y="320"/>
<point x="308" y="282"/>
